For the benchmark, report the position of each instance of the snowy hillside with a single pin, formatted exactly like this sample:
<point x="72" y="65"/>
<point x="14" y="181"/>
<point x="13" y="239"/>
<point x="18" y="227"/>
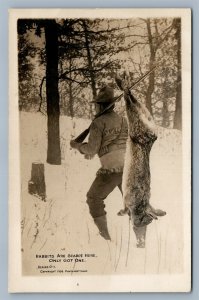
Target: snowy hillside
<point x="62" y="225"/>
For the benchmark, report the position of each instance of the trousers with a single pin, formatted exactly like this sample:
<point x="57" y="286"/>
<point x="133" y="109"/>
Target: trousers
<point x="101" y="187"/>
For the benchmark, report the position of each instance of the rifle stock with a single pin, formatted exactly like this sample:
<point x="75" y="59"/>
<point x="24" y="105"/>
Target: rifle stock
<point x="80" y="138"/>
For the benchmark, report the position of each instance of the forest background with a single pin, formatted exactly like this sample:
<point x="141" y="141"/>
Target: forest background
<point x="63" y="63"/>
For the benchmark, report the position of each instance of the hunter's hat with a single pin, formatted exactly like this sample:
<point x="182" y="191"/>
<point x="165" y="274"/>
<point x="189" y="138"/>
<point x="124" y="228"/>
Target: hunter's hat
<point x="106" y="94"/>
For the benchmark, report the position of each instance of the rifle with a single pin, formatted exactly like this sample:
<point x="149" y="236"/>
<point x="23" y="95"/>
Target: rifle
<point x="81" y="137"/>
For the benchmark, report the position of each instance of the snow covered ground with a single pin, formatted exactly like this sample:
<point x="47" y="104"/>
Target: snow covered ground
<point x="62" y="225"/>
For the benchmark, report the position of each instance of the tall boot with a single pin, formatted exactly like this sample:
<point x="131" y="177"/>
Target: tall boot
<point x="101" y="224"/>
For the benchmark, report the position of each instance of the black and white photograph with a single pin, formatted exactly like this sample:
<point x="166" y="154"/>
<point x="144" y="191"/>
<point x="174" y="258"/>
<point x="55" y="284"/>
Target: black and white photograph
<point x="100" y="150"/>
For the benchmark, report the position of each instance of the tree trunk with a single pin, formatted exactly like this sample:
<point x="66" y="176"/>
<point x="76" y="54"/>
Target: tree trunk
<point x="150" y="91"/>
<point x="151" y="85"/>
<point x="36" y="185"/>
<point x="165" y="109"/>
<point x="71" y="99"/>
<point x="52" y="93"/>
<point x="178" y="111"/>
<point x="165" y="114"/>
<point x="90" y="65"/>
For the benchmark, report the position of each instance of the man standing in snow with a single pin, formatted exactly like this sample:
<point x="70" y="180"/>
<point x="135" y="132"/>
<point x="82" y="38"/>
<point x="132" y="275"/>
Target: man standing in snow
<point x="107" y="139"/>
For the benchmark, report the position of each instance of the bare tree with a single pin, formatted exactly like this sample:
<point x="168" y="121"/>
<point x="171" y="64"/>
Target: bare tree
<point x="178" y="110"/>
<point x="52" y="93"/>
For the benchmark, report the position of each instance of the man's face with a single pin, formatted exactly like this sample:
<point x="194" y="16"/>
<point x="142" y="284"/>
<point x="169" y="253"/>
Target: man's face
<point x="97" y="108"/>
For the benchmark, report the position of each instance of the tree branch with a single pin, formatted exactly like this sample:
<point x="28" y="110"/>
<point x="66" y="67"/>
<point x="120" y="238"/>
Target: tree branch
<point x="73" y="80"/>
<point x="170" y="28"/>
<point x="64" y="75"/>
<point x="109" y="30"/>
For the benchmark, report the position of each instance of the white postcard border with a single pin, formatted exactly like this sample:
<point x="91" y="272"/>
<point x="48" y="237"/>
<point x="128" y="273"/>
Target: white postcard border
<point x="112" y="283"/>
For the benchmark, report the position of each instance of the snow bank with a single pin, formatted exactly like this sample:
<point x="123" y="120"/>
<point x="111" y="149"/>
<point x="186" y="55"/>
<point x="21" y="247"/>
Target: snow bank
<point x="62" y="224"/>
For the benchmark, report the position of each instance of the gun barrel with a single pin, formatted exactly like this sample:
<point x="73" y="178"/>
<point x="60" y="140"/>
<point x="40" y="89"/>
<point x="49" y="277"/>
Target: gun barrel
<point x="80" y="138"/>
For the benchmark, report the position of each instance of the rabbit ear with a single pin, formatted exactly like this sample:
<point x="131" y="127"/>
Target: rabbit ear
<point x="125" y="73"/>
<point x="127" y="78"/>
<point x="119" y="82"/>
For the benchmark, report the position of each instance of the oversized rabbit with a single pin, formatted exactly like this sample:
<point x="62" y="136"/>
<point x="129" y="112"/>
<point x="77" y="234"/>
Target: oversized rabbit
<point x="136" y="175"/>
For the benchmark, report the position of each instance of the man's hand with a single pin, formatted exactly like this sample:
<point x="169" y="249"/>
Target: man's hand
<point x="75" y="145"/>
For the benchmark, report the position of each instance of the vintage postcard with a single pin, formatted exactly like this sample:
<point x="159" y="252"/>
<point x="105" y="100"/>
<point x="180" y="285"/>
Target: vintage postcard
<point x="99" y="150"/>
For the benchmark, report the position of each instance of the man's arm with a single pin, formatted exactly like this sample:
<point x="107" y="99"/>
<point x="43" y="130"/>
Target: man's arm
<point x="94" y="141"/>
